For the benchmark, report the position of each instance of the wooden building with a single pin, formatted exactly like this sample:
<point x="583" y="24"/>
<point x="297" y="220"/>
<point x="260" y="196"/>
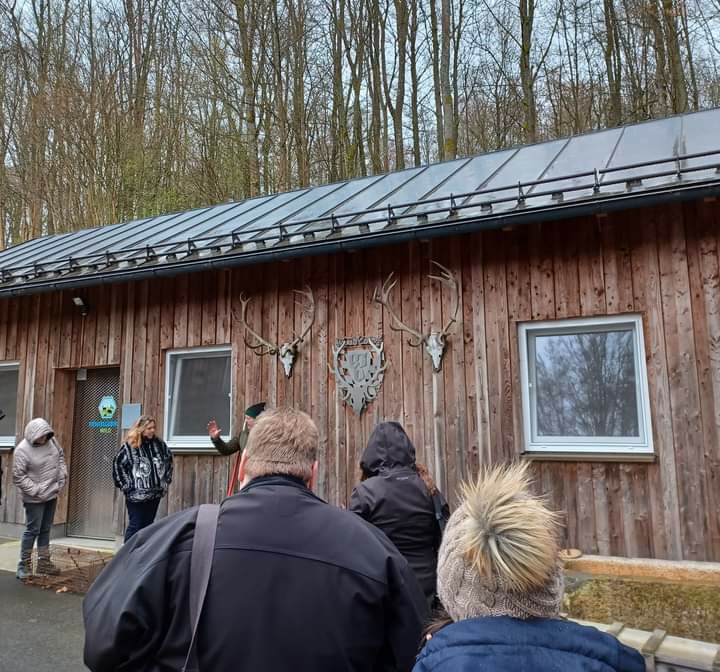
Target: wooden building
<point x="587" y="333"/>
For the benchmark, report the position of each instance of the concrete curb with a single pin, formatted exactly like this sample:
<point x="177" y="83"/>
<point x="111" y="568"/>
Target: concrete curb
<point x="660" y="650"/>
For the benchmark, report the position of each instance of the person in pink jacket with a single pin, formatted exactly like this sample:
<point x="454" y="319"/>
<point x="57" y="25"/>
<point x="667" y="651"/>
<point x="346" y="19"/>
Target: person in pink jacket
<point x="39" y="472"/>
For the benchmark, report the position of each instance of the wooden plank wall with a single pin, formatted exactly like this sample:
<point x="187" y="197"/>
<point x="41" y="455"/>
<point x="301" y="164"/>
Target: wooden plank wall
<point x="663" y="263"/>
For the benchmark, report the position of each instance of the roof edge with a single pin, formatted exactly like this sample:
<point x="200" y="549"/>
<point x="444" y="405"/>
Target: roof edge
<point x="441" y="229"/>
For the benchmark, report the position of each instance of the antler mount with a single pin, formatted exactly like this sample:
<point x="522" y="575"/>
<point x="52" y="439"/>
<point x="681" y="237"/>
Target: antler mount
<point x="287" y="352"/>
<point x="436" y="341"/>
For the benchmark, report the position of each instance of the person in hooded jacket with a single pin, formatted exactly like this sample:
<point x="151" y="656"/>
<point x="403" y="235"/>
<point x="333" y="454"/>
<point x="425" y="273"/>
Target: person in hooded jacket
<point x="393" y="497"/>
<point x="39" y="473"/>
<point x="501" y="584"/>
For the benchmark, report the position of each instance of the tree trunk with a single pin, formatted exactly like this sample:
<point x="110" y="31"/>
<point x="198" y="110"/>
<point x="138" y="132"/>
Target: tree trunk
<point x="247" y="31"/>
<point x="281" y="109"/>
<point x="449" y="126"/>
<point x="661" y="83"/>
<point x="401" y="16"/>
<point x="691" y="61"/>
<point x="678" y="90"/>
<point x="338" y="127"/>
<point x="297" y="10"/>
<point x="527" y="15"/>
<point x="437" y="83"/>
<point x="414" y="116"/>
<point x="613" y="65"/>
<point x="376" y="54"/>
<point x="355" y="44"/>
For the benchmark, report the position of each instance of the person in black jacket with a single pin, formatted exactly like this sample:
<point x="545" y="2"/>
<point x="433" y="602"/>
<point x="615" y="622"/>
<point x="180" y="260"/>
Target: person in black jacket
<point x="142" y="470"/>
<point x="296" y="584"/>
<point x="394" y="498"/>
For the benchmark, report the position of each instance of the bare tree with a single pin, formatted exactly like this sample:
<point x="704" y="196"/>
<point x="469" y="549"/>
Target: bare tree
<point x="448" y="107"/>
<point x="112" y="111"/>
<point x="613" y="63"/>
<point x="678" y="91"/>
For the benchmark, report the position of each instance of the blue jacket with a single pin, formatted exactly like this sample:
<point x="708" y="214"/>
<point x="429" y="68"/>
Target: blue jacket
<point x="504" y="644"/>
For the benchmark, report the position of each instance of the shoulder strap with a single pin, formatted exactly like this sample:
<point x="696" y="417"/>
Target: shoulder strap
<point x="203" y="548"/>
<point x="440" y="515"/>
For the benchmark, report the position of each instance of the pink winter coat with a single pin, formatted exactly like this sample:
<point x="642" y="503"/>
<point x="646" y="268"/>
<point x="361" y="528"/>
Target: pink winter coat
<point x="39" y="472"/>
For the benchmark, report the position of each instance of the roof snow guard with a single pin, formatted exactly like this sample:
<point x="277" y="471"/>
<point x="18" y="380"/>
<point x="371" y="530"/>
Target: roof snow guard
<point x="669" y="159"/>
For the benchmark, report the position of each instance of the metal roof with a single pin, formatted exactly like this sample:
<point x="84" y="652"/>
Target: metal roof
<point x="677" y="158"/>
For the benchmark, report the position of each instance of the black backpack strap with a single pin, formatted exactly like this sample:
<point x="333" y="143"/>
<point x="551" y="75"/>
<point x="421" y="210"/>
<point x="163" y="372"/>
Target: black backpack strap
<point x="201" y="558"/>
<point x="441" y="511"/>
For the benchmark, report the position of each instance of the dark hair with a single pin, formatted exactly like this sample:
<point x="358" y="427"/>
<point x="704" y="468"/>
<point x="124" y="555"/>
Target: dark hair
<point x="440" y="619"/>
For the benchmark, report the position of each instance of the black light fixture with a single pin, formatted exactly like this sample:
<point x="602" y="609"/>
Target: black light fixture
<point x="80" y="303"/>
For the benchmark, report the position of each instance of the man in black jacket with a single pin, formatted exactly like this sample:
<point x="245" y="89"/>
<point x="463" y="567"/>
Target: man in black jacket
<point x="296" y="584"/>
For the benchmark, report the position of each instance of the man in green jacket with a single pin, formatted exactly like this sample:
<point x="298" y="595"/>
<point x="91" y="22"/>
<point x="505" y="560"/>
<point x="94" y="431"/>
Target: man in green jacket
<point x="236" y="443"/>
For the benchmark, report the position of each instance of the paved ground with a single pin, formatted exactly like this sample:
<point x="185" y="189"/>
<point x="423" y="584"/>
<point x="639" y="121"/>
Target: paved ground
<point x="40" y="630"/>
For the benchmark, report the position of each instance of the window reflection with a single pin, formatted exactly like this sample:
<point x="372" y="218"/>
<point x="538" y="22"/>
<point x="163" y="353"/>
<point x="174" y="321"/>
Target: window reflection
<point x="585" y="385"/>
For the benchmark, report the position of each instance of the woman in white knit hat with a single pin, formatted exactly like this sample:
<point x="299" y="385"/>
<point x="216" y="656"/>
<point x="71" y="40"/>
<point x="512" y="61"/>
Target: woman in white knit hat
<point x="501" y="584"/>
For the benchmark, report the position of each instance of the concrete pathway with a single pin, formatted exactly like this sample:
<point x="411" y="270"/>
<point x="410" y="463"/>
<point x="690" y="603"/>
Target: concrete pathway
<point x="9" y="553"/>
<point x="40" y="630"/>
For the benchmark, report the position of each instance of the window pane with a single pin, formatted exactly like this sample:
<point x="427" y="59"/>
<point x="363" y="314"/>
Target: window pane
<point x="585" y="385"/>
<point x="201" y="391"/>
<point x="8" y="400"/>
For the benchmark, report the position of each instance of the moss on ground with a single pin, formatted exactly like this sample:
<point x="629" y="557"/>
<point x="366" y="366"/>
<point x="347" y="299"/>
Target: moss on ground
<point x="684" y="610"/>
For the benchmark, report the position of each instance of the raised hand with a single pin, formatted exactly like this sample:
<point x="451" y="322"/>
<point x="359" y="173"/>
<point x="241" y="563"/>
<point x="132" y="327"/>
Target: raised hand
<point x="213" y="430"/>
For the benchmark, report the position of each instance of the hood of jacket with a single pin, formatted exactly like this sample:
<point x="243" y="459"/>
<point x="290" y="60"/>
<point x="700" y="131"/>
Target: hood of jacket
<point x="37" y="428"/>
<point x="507" y="644"/>
<point x="389" y="447"/>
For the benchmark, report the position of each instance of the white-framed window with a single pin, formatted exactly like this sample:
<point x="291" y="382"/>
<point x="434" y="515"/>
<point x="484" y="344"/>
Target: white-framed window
<point x="198" y="387"/>
<point x="9" y="373"/>
<point x="584" y="386"/>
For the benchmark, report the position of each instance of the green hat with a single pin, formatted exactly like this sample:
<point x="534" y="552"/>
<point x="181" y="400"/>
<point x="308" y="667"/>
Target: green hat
<point x="255" y="410"/>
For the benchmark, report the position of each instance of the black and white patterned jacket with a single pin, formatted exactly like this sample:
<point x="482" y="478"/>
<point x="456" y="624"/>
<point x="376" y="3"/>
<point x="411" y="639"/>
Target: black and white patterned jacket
<point x="143" y="473"/>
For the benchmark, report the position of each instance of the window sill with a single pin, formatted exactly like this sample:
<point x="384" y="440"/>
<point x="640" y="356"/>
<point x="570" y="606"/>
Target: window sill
<point x="194" y="444"/>
<point x="588" y="457"/>
<point x="208" y="449"/>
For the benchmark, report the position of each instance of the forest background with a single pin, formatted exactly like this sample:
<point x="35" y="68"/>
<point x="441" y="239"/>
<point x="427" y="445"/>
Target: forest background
<point x="117" y="109"/>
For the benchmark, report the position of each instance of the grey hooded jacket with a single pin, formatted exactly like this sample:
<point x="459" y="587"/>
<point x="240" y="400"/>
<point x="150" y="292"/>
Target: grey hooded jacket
<point x="39" y="471"/>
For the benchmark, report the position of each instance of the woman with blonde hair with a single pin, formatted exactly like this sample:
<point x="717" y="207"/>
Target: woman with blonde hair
<point x="500" y="581"/>
<point x="142" y="470"/>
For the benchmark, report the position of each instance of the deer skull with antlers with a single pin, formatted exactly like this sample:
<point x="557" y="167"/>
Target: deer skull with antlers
<point x="436" y="341"/>
<point x="287" y="352"/>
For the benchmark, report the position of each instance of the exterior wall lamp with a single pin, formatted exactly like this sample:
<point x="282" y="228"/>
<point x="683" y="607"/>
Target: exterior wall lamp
<point x="82" y="305"/>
